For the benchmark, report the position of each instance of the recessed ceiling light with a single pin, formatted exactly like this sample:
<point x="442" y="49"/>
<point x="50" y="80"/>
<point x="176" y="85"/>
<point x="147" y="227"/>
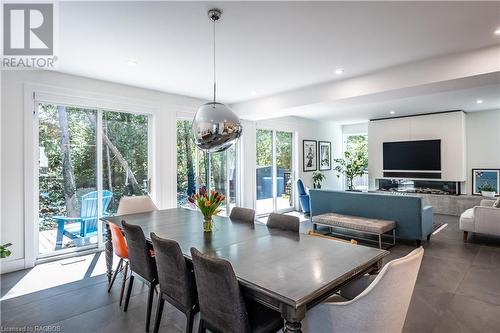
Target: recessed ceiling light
<point x="339" y="71"/>
<point x="132" y="62"/>
<point x="479" y="101"/>
<point x="497" y="32"/>
<point x="392" y="112"/>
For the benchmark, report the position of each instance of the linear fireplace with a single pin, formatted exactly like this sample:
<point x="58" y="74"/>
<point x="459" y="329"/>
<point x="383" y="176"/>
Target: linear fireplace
<point x="419" y="186"/>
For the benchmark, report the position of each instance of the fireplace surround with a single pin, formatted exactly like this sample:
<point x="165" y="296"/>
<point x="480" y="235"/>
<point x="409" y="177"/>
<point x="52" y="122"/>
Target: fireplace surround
<point x="419" y="186"/>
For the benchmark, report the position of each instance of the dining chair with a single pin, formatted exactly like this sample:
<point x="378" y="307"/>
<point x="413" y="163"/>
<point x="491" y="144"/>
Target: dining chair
<point x="142" y="263"/>
<point x="242" y="214"/>
<point x="176" y="279"/>
<point x="222" y="305"/>
<point x="284" y="222"/>
<point x="136" y="204"/>
<point x="372" y="303"/>
<point x="121" y="251"/>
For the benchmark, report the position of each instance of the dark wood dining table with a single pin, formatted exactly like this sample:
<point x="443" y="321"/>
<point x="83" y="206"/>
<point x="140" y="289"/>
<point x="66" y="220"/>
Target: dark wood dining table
<point x="286" y="271"/>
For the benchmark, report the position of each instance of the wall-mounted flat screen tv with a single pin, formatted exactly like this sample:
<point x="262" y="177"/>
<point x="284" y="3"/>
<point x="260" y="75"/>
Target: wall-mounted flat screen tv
<point x="422" y="155"/>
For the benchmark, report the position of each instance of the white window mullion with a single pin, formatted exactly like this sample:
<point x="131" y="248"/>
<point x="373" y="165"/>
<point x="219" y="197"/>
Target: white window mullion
<point x="274" y="174"/>
<point x="99" y="138"/>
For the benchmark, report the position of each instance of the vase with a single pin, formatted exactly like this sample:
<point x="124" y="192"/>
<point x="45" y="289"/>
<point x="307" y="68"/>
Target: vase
<point x="207" y="224"/>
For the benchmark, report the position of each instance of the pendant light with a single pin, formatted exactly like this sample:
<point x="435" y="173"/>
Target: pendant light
<point x="215" y="126"/>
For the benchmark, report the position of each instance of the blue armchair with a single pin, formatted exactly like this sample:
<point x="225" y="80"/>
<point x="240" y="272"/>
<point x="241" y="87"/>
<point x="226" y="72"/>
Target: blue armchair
<point x="303" y="197"/>
<point x="87" y="222"/>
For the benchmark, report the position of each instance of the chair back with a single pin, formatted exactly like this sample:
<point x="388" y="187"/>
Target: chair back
<point x="222" y="306"/>
<point x="381" y="307"/>
<point x="300" y="187"/>
<point x="88" y="210"/>
<point x="174" y="275"/>
<point x="139" y="254"/>
<point x="119" y="244"/>
<point x="242" y="214"/>
<point x="136" y="204"/>
<point x="284" y="222"/>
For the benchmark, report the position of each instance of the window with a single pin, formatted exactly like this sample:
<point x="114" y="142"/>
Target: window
<point x="274" y="171"/>
<point x="71" y="142"/>
<point x="196" y="169"/>
<point x="358" y="144"/>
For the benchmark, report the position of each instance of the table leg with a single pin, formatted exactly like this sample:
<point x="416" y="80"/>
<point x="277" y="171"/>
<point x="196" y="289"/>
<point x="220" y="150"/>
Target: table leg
<point x="376" y="267"/>
<point x="109" y="253"/>
<point x="293" y="318"/>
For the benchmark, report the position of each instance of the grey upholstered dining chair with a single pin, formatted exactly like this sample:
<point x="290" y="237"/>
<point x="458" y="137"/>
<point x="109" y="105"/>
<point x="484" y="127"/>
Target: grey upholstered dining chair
<point x="142" y="263"/>
<point x="372" y="303"/>
<point x="222" y="305"/>
<point x="176" y="279"/>
<point x="136" y="204"/>
<point x="284" y="222"/>
<point x="242" y="214"/>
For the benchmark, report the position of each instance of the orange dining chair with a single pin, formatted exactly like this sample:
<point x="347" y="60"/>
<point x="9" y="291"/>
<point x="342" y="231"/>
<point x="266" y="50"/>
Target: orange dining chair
<point x="121" y="250"/>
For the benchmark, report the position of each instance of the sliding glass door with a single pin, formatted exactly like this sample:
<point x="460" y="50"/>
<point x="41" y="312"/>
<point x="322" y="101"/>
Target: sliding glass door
<point x="196" y="170"/>
<point x="88" y="160"/>
<point x="274" y="172"/>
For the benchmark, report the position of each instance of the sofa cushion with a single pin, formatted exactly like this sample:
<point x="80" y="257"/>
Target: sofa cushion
<point x="376" y="226"/>
<point x="467" y="220"/>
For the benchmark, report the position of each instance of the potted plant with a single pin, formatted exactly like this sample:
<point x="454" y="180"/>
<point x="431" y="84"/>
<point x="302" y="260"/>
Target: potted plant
<point x="487" y="190"/>
<point x="318" y="178"/>
<point x="4" y="252"/>
<point x="208" y="204"/>
<point x="351" y="166"/>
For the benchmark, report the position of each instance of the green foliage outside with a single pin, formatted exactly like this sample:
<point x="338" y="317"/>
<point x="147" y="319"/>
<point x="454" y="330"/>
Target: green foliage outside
<point x="264" y="140"/>
<point x="355" y="161"/>
<point x="127" y="133"/>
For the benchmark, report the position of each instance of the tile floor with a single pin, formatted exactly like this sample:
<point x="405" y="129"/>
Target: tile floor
<point x="458" y="290"/>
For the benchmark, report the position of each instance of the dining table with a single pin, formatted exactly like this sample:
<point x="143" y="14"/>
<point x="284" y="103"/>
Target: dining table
<point x="284" y="270"/>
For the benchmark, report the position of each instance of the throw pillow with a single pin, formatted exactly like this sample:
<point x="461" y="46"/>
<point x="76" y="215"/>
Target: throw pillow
<point x="497" y="203"/>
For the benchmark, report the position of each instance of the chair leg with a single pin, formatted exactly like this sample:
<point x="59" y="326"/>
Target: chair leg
<point x="124" y="281"/>
<point x="159" y="311"/>
<point x="190" y="319"/>
<point x="129" y="291"/>
<point x="115" y="273"/>
<point x="201" y="327"/>
<point x="60" y="233"/>
<point x="150" y="305"/>
<point x="466" y="235"/>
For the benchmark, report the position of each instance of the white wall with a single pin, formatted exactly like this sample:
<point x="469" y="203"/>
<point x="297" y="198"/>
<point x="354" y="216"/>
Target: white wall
<point x="483" y="143"/>
<point x="13" y="133"/>
<point x="303" y="129"/>
<point x="449" y="127"/>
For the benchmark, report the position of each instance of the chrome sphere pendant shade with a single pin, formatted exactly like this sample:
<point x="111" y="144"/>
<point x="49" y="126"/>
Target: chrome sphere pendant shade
<point x="215" y="126"/>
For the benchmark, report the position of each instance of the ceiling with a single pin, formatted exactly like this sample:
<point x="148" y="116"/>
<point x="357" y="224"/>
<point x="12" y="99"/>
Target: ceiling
<point x="348" y="111"/>
<point x="263" y="48"/>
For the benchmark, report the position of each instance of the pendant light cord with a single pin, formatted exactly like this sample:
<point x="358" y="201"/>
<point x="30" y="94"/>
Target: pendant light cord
<point x="214" y="58"/>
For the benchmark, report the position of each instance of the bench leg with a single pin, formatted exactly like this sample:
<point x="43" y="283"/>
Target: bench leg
<point x="466" y="235"/>
<point x="379" y="241"/>
<point x="418" y="242"/>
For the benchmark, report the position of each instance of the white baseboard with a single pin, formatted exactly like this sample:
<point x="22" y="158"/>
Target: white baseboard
<point x="11" y="266"/>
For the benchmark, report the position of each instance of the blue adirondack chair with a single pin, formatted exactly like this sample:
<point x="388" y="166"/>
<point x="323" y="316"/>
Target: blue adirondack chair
<point x="87" y="222"/>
